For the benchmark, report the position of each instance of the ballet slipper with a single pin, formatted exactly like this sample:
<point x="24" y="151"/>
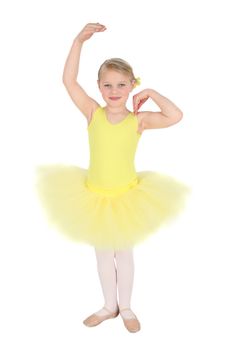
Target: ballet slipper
<point x="94" y="320"/>
<point x="131" y="324"/>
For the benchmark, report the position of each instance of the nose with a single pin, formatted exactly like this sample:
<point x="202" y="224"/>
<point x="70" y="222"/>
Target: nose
<point x="114" y="89"/>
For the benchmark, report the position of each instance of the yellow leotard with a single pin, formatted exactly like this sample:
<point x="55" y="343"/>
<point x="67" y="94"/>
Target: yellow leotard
<point x="112" y="151"/>
<point x="110" y="205"/>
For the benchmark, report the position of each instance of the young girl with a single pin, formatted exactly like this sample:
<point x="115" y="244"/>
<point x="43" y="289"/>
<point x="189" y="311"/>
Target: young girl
<point x="110" y="206"/>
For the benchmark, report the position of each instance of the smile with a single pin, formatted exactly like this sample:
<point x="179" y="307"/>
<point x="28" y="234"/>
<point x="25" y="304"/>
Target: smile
<point x="114" y="98"/>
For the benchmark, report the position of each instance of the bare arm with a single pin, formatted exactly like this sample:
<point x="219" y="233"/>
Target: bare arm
<point x="169" y="115"/>
<point x="168" y="108"/>
<point x="81" y="99"/>
<point x="71" y="68"/>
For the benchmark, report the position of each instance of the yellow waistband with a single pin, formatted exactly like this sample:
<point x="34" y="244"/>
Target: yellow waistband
<point x="112" y="191"/>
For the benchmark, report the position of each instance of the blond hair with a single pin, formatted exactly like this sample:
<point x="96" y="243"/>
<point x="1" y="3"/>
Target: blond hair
<point x="120" y="65"/>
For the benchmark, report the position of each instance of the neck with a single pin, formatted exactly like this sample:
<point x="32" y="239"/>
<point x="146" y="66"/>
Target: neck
<point x="116" y="110"/>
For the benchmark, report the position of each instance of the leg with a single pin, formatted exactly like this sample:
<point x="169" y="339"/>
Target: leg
<point x="107" y="275"/>
<point x="125" y="277"/>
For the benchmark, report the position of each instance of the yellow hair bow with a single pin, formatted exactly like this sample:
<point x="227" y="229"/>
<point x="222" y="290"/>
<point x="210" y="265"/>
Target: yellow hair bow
<point x="137" y="82"/>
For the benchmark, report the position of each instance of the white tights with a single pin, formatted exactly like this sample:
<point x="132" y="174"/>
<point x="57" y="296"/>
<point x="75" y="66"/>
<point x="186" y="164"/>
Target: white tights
<point x="116" y="277"/>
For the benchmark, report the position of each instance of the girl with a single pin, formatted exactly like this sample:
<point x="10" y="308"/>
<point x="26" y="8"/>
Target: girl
<point x="109" y="205"/>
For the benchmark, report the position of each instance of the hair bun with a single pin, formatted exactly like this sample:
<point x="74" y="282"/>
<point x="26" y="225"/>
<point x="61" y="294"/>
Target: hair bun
<point x="137" y="81"/>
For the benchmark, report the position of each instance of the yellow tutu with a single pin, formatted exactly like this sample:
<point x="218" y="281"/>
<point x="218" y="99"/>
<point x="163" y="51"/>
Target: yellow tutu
<point x="104" y="221"/>
<point x="109" y="205"/>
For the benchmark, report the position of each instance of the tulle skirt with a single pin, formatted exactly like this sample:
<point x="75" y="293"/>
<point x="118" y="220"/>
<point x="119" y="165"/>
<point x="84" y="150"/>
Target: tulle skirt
<point x="107" y="222"/>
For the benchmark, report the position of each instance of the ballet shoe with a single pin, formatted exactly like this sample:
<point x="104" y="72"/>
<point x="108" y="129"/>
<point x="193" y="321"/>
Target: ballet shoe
<point x="131" y="324"/>
<point x="94" y="320"/>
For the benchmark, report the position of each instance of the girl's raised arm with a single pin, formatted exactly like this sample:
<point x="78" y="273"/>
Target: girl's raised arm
<point x="84" y="102"/>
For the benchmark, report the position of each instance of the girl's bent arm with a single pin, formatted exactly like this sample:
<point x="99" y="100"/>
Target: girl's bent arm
<point x="168" y="108"/>
<point x="169" y="115"/>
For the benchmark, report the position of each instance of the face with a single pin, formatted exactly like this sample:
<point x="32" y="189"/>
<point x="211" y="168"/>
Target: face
<point x="115" y="87"/>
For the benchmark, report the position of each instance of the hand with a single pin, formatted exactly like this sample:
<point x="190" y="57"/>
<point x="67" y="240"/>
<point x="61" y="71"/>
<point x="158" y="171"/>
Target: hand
<point x="89" y="30"/>
<point x="139" y="99"/>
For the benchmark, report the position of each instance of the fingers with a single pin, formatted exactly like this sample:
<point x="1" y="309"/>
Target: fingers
<point x="135" y="102"/>
<point x="89" y="29"/>
<point x="142" y="102"/>
<point x="138" y="102"/>
<point x="96" y="26"/>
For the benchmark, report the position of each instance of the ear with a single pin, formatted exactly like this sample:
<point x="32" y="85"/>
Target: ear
<point x="133" y="83"/>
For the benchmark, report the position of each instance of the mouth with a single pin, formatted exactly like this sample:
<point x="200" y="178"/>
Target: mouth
<point x="114" y="98"/>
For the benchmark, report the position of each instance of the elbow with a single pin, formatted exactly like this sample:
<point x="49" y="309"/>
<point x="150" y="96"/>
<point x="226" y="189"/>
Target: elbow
<point x="177" y="118"/>
<point x="176" y="115"/>
<point x="68" y="82"/>
<point x="179" y="115"/>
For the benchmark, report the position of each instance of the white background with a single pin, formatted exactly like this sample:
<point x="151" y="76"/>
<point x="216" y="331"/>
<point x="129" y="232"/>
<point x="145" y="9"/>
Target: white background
<point x="183" y="274"/>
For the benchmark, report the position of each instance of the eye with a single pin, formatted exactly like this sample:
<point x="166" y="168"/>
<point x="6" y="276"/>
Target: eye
<point x="106" y="85"/>
<point x="122" y="84"/>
